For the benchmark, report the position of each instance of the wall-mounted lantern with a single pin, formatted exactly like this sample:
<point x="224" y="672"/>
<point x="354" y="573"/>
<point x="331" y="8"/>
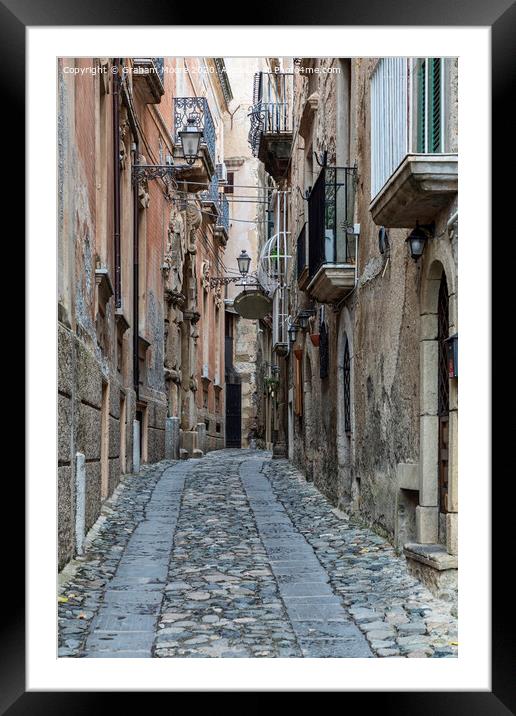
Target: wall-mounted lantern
<point x="190" y="140"/>
<point x="452" y="355"/>
<point x="418" y="238"/>
<point x="292" y="333"/>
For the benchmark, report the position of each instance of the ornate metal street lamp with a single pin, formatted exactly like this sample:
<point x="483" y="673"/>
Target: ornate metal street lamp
<point x="191" y="138"/>
<point x="244" y="261"/>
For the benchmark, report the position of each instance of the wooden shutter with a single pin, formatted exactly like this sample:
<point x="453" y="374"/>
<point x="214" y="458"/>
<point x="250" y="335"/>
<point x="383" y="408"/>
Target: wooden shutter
<point x="429" y="105"/>
<point x="421" y="107"/>
<point x="434" y="109"/>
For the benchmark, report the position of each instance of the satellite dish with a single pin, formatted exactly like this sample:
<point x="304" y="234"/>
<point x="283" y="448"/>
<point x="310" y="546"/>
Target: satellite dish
<point x="252" y="304"/>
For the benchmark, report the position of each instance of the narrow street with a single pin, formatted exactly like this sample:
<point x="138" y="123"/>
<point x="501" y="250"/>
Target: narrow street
<point x="236" y="555"/>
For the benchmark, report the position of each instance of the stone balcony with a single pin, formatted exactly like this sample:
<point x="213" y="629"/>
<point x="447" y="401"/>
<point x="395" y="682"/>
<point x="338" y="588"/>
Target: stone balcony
<point x="332" y="282"/>
<point x="420" y="187"/>
<point x="148" y="78"/>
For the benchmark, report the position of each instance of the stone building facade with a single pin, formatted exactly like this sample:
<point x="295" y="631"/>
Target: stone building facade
<point x="136" y="246"/>
<point x="367" y="386"/>
<point x="243" y="193"/>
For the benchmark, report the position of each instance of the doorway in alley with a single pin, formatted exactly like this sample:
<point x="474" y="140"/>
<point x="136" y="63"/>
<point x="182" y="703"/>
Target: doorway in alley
<point x="233" y="415"/>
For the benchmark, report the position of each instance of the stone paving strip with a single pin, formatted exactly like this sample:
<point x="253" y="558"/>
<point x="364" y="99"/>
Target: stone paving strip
<point x="236" y="555"/>
<point x="398" y="615"/>
<point x="321" y="624"/>
<point x="85" y="581"/>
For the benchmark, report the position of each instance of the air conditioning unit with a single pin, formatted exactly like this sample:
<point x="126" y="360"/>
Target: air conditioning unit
<point x="222" y="173"/>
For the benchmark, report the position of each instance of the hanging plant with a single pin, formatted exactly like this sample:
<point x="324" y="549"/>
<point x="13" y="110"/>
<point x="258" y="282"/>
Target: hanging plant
<point x="271" y="384"/>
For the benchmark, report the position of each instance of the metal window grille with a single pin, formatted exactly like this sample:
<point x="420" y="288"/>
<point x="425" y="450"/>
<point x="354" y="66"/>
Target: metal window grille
<point x="274" y="261"/>
<point x="442" y="334"/>
<point x="330" y="218"/>
<point x="346" y="370"/>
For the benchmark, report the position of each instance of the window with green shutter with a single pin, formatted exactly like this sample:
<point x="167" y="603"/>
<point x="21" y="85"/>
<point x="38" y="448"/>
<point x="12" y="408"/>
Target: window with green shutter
<point x="429" y="105"/>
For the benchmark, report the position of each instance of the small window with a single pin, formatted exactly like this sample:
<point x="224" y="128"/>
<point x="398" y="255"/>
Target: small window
<point x="228" y="189"/>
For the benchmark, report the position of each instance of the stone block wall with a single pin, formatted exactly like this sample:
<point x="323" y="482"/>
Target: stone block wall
<point x="80" y="379"/>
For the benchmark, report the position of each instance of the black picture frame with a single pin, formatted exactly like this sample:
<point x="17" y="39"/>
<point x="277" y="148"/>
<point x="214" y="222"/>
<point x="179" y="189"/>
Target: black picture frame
<point x="500" y="15"/>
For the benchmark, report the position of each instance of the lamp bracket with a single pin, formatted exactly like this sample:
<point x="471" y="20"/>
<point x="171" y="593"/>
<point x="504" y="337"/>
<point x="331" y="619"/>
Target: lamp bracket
<point x="429" y="229"/>
<point x="156" y="171"/>
<point x="215" y="281"/>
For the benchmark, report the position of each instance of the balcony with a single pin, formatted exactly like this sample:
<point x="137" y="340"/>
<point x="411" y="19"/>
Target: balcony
<point x="270" y="135"/>
<point x="222" y="222"/>
<point x="204" y="167"/>
<point x="148" y="78"/>
<point x="420" y="187"/>
<point x="210" y="200"/>
<point x="332" y="243"/>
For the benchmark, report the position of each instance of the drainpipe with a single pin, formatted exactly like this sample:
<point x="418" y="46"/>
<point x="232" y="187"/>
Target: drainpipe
<point x="116" y="183"/>
<point x="136" y="277"/>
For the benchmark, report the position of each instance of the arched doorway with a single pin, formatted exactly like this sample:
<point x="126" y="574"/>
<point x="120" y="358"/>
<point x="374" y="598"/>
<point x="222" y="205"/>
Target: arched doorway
<point x="436" y="514"/>
<point x="348" y="484"/>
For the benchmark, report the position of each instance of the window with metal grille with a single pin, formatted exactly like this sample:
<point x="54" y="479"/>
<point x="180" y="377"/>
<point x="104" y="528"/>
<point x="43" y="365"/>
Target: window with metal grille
<point x="346" y="375"/>
<point x="331" y="207"/>
<point x="442" y="334"/>
<point x="429" y="105"/>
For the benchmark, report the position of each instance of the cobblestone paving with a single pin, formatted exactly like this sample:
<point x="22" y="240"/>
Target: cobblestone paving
<point x="236" y="555"/>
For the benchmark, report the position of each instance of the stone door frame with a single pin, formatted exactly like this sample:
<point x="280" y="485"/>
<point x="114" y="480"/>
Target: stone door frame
<point x="438" y="260"/>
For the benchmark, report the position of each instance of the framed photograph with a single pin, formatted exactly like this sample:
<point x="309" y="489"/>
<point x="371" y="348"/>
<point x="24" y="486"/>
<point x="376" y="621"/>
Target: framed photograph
<point x="245" y="462"/>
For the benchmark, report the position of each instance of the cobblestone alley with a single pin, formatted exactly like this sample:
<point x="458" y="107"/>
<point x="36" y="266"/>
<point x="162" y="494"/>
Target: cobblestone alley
<point x="236" y="555"/>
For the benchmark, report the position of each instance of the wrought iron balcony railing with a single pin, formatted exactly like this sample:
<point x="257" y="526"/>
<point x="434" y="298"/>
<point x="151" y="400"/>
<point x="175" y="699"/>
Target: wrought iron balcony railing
<point x="159" y="64"/>
<point x="212" y="194"/>
<point x="196" y="107"/>
<point x="331" y="239"/>
<point x="272" y="106"/>
<point x="223" y="205"/>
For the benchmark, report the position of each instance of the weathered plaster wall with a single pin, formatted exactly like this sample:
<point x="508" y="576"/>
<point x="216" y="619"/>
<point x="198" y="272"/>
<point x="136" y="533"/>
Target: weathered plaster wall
<point x="384" y="320"/>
